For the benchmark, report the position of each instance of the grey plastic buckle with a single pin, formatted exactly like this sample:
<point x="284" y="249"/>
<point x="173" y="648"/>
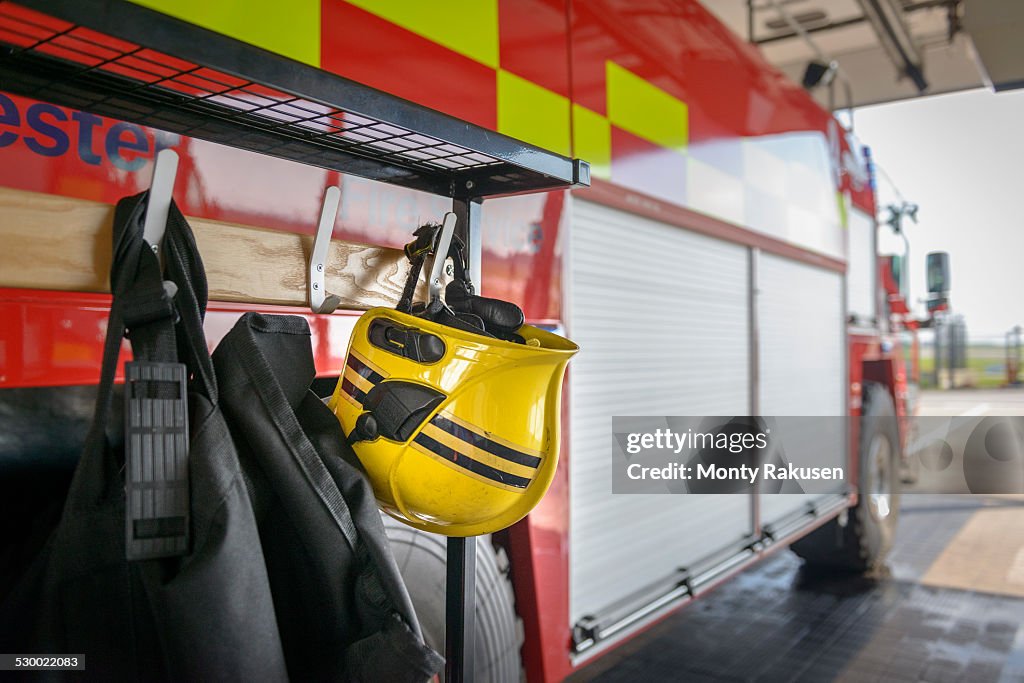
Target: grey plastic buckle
<point x="156" y="460"/>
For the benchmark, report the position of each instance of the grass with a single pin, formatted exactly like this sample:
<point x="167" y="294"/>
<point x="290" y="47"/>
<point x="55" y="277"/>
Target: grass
<point x="986" y="365"/>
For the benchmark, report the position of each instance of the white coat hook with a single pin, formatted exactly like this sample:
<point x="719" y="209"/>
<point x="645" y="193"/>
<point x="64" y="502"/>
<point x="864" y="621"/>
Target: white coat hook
<point x="158" y="205"/>
<point x="319" y="300"/>
<point x="444" y="243"/>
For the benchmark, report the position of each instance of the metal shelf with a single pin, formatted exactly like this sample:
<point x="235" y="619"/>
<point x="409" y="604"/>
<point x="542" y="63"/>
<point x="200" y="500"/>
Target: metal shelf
<point x="117" y="59"/>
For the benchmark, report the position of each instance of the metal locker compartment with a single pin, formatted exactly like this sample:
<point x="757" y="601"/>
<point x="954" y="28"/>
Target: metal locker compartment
<point x="861" y="268"/>
<point x="661" y="316"/>
<point x="801" y="363"/>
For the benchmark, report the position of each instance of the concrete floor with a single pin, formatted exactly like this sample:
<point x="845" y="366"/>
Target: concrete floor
<point x="948" y="607"/>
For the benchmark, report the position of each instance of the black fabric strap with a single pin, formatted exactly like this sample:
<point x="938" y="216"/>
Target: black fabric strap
<point x="417" y="252"/>
<point x="415" y="268"/>
<point x="458" y="254"/>
<point x="147" y="304"/>
<point x="137" y="285"/>
<point x="184" y="268"/>
<point x="273" y="390"/>
<point x="140" y="296"/>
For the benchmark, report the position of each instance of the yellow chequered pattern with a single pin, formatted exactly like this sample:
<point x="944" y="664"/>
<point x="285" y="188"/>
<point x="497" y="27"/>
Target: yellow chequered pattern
<point x="646" y="110"/>
<point x="592" y="140"/>
<point x="469" y="27"/>
<point x="291" y="29"/>
<point x="526" y="110"/>
<point x="533" y="114"/>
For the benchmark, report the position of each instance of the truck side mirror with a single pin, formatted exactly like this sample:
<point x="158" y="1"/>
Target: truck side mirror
<point x="938" y="273"/>
<point x="896" y="269"/>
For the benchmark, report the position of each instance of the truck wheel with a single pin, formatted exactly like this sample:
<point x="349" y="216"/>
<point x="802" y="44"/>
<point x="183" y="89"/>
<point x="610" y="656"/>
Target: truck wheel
<point x="910" y="465"/>
<point x="864" y="541"/>
<point x="421" y="559"/>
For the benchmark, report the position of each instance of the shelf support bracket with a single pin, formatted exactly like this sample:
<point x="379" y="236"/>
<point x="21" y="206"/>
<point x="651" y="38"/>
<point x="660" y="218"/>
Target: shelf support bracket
<point x="468" y="212"/>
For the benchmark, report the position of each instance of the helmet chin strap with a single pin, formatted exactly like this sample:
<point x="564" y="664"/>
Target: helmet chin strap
<point x="439" y="240"/>
<point x="460" y="307"/>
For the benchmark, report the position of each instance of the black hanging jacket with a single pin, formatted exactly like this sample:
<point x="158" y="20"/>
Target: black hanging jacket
<point x="342" y="609"/>
<point x="207" y="615"/>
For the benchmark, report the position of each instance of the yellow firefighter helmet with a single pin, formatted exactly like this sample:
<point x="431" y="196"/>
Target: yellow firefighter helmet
<point x="457" y="429"/>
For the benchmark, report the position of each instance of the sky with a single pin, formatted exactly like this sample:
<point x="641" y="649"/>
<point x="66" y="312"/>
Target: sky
<point x="960" y="158"/>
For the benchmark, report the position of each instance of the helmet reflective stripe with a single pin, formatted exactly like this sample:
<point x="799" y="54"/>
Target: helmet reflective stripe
<point x="359" y="377"/>
<point x="492" y="462"/>
<point x="499" y="447"/>
<point x="365" y="368"/>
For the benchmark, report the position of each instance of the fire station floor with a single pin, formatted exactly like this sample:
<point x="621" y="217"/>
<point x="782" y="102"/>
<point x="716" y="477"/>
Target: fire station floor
<point x="949" y="607"/>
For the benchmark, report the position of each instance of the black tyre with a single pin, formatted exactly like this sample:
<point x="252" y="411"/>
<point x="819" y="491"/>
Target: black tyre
<point x="910" y="465"/>
<point x="862" y="543"/>
<point x="421" y="558"/>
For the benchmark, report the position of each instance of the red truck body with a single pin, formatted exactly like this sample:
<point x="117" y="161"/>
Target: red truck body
<point x="588" y="79"/>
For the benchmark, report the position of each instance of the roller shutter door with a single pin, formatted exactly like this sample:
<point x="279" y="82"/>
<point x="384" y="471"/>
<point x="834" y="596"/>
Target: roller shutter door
<point x="801" y="358"/>
<point x="661" y="316"/>
<point x="861" y="267"/>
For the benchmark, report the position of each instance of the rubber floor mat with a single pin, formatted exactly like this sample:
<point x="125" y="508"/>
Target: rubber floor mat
<point x="780" y="622"/>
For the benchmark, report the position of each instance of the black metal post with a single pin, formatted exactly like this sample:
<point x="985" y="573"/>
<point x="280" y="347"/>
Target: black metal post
<point x="460" y="584"/>
<point x="460" y="599"/>
<point x="469" y="211"/>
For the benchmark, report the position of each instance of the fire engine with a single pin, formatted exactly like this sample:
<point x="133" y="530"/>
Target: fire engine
<point x="724" y="262"/>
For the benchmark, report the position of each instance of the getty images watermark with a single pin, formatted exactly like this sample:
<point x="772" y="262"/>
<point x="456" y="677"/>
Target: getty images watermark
<point x="808" y="454"/>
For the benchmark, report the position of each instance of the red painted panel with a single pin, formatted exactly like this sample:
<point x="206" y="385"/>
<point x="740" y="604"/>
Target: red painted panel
<point x="534" y="41"/>
<point x="681" y="48"/>
<point x="857" y="175"/>
<point x="539" y="551"/>
<point x="375" y="52"/>
<point x="56" y="150"/>
<point x="56" y="338"/>
<point x="522" y="255"/>
<point x="730" y="91"/>
<point x="590" y="46"/>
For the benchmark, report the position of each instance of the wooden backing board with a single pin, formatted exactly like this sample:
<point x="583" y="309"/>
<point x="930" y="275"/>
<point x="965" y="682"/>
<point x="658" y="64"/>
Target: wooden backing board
<point x="54" y="242"/>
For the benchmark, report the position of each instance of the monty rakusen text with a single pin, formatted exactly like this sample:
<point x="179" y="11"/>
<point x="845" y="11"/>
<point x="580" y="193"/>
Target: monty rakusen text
<point x="722" y="444"/>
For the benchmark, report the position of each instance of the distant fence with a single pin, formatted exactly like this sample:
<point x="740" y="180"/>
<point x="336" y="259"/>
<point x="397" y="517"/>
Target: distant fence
<point x="950" y="358"/>
<point x="950" y="353"/>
